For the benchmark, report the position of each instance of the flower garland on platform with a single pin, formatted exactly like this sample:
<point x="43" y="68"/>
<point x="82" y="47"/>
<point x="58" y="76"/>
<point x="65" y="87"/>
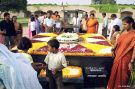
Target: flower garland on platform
<point x="97" y="48"/>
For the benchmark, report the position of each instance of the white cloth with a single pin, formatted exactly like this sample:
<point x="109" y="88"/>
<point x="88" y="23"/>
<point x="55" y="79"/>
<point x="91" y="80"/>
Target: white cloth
<point x="118" y="22"/>
<point x="33" y="26"/>
<point x="7" y="74"/>
<point x="55" y="60"/>
<point x="41" y="19"/>
<point x="105" y="22"/>
<point x="49" y="22"/>
<point x="77" y="23"/>
<point x="24" y="76"/>
<point x="84" y="24"/>
<point x="58" y="24"/>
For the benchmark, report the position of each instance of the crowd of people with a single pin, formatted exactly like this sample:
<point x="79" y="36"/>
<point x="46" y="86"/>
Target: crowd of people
<point x="19" y="70"/>
<point x="51" y="22"/>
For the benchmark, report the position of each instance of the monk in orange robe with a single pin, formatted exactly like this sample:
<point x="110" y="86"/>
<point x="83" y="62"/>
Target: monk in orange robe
<point x="125" y="56"/>
<point x="92" y="24"/>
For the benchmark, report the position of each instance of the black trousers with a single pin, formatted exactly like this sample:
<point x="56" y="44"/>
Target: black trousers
<point x="55" y="81"/>
<point x="33" y="33"/>
<point x="104" y="32"/>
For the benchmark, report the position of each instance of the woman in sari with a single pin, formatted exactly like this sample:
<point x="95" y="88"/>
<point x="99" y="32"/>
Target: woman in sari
<point x="2" y="37"/>
<point x="125" y="56"/>
<point x="92" y="24"/>
<point x="18" y="29"/>
<point x="17" y="72"/>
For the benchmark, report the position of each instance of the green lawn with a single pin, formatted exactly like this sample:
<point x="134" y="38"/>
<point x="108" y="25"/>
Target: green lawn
<point x="23" y="21"/>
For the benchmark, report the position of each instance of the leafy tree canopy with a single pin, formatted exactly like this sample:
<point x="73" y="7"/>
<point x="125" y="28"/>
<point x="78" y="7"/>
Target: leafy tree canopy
<point x="103" y="1"/>
<point x="13" y="5"/>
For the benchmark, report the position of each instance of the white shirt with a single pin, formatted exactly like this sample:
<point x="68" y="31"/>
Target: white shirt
<point x="49" y="22"/>
<point x="76" y="21"/>
<point x="33" y="26"/>
<point x="58" y="24"/>
<point x="116" y="21"/>
<point x="41" y="19"/>
<point x="55" y="60"/>
<point x="105" y="22"/>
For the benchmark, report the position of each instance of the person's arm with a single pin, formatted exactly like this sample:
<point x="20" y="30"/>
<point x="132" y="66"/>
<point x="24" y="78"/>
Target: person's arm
<point x="64" y="64"/>
<point x="133" y="55"/>
<point x="105" y="22"/>
<point x="130" y="65"/>
<point x="13" y="28"/>
<point x="44" y="23"/>
<point x="97" y="27"/>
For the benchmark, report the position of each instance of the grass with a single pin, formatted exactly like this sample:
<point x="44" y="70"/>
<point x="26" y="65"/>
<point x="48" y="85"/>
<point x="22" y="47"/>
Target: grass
<point x="23" y="21"/>
<point x="111" y="8"/>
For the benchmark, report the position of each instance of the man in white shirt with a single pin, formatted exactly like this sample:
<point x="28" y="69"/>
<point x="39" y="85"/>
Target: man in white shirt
<point x="105" y="25"/>
<point x="116" y="21"/>
<point x="49" y="23"/>
<point x="76" y="23"/>
<point x="41" y="20"/>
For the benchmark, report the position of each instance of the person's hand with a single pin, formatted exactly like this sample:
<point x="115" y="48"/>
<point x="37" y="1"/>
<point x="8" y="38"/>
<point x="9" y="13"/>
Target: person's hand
<point x="130" y="66"/>
<point x="103" y="28"/>
<point x="53" y="71"/>
<point x="113" y="52"/>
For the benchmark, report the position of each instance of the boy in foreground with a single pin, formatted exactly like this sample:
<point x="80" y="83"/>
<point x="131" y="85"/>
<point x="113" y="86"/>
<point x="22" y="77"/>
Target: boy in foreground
<point x="55" y="61"/>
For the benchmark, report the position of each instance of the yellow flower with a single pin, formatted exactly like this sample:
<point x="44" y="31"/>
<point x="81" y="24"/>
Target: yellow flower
<point x="48" y="34"/>
<point x="98" y="49"/>
<point x="36" y="46"/>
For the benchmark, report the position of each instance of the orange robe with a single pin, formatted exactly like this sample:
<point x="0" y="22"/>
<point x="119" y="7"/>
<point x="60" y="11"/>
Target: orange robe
<point x="92" y="26"/>
<point x="120" y="73"/>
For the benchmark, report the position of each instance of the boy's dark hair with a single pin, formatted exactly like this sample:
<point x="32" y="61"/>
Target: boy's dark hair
<point x="50" y="12"/>
<point x="36" y="16"/>
<point x="54" y="43"/>
<point x="86" y="15"/>
<point x="104" y="13"/>
<point x="6" y="14"/>
<point x="58" y="16"/>
<point x="56" y="12"/>
<point x="24" y="44"/>
<point x="116" y="27"/>
<point x="32" y="18"/>
<point x="92" y="14"/>
<point x="44" y="13"/>
<point x="113" y="16"/>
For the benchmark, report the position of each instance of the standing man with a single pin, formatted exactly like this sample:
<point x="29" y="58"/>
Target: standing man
<point x="76" y="23"/>
<point x="105" y="25"/>
<point x="8" y="26"/>
<point x="116" y="21"/>
<point x="49" y="23"/>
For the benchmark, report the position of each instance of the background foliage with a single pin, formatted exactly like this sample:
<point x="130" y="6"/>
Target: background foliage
<point x="13" y="5"/>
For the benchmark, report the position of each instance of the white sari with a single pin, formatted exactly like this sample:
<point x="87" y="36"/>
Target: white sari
<point x="20" y="74"/>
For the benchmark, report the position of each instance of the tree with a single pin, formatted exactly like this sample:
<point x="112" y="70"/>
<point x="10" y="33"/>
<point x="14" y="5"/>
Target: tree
<point x="13" y="5"/>
<point x="103" y="1"/>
